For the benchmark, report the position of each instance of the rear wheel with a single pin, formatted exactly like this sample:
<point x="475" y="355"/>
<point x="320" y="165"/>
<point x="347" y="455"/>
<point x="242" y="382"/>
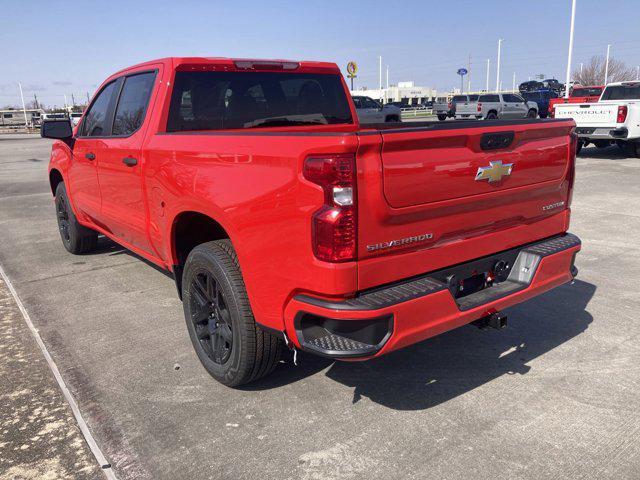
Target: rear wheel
<point x="228" y="342"/>
<point x="579" y="146"/>
<point x="633" y="149"/>
<point x="76" y="238"/>
<point x="442" y="117"/>
<point x="491" y="116"/>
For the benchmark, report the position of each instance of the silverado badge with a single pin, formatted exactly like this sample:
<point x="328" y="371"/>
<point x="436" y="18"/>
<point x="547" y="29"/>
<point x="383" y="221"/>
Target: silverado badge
<point x="494" y="172"/>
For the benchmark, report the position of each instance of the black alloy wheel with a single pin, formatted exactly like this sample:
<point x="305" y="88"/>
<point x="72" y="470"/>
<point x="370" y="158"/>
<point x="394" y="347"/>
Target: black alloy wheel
<point x="63" y="217"/>
<point x="211" y="317"/>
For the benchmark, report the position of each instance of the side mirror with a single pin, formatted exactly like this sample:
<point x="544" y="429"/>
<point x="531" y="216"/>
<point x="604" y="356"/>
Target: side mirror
<point x="56" y="129"/>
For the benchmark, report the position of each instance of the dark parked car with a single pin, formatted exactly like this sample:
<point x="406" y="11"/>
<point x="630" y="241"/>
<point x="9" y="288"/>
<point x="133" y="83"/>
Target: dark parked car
<point x="542" y="98"/>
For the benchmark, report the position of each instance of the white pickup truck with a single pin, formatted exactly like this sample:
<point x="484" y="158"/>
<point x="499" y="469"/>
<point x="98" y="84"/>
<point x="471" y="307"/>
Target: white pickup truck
<point x="615" y="118"/>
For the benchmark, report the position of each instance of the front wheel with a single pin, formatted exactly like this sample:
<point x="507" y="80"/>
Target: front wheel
<point x="76" y="238"/>
<point x="228" y="342"/>
<point x="391" y="118"/>
<point x="532" y="113"/>
<point x="442" y="117"/>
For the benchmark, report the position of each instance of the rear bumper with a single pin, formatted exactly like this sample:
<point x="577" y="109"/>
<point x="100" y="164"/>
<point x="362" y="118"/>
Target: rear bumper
<point x="381" y="320"/>
<point x="604" y="133"/>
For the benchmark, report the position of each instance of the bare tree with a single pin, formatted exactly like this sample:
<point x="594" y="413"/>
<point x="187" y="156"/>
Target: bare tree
<point x="593" y="72"/>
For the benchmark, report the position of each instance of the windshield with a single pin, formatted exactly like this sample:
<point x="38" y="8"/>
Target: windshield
<point x="586" y="92"/>
<point x="629" y="91"/>
<point x="225" y="100"/>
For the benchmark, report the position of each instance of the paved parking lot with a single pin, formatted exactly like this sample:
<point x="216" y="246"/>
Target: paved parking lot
<point x="555" y="395"/>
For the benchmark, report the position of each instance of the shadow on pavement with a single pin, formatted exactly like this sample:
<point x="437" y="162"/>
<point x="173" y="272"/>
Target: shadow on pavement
<point x="609" y="153"/>
<point x="444" y="367"/>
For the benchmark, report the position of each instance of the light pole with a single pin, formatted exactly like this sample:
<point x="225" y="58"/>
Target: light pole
<point x="488" y="63"/>
<point x="24" y="109"/>
<point x="387" y="76"/>
<point x="498" y="68"/>
<point x="573" y="19"/>
<point x="606" y="65"/>
<point x="380" y="75"/>
<point x="513" y="85"/>
<point x="638" y="72"/>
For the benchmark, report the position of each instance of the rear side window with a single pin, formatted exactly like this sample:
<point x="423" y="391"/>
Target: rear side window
<point x="508" y="97"/>
<point x="489" y="98"/>
<point x="95" y="122"/>
<point x="132" y="103"/>
<point x="586" y="92"/>
<point x="225" y="100"/>
<point x="473" y="98"/>
<point x="622" y="92"/>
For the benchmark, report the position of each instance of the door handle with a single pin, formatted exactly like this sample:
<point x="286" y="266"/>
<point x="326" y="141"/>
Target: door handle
<point x="130" y="161"/>
<point x="90" y="156"/>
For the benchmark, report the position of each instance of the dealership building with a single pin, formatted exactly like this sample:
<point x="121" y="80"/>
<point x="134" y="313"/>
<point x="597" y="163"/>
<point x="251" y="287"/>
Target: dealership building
<point x="405" y="92"/>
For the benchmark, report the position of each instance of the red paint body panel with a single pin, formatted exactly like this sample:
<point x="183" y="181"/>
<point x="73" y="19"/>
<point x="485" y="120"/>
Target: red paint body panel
<point x="409" y="182"/>
<point x="431" y="315"/>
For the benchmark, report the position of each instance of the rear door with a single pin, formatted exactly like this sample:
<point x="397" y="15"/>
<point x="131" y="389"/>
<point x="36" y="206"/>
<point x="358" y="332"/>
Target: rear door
<point x="510" y="108"/>
<point x="120" y="169"/>
<point x="371" y="112"/>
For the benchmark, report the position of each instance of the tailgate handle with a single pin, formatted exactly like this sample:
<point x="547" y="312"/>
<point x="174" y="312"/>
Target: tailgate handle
<point x="585" y="106"/>
<point x="494" y="141"/>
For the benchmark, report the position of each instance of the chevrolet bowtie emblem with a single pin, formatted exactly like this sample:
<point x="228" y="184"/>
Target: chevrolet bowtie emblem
<point x="494" y="172"/>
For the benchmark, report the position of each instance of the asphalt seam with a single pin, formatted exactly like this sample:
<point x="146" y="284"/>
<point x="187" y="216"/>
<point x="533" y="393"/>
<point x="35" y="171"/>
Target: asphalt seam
<point x="82" y="424"/>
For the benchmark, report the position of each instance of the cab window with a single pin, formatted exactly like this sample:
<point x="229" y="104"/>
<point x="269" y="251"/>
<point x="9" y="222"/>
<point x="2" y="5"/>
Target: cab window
<point x="95" y="122"/>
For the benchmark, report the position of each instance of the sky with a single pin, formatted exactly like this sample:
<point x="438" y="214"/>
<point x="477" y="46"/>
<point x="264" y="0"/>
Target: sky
<point x="56" y="48"/>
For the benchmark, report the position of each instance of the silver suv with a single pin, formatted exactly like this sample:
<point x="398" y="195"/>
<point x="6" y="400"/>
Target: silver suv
<point x="498" y="105"/>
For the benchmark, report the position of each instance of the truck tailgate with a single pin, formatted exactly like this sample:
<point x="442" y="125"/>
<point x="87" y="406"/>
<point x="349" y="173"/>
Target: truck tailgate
<point x="592" y="114"/>
<point x="440" y="186"/>
<point x="467" y="108"/>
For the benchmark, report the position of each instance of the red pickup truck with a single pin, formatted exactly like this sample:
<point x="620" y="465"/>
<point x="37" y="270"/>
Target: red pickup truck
<point x="578" y="94"/>
<point x="287" y="224"/>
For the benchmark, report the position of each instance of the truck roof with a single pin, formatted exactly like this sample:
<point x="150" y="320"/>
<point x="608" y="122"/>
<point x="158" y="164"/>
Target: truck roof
<point x="241" y="63"/>
<point x="628" y="82"/>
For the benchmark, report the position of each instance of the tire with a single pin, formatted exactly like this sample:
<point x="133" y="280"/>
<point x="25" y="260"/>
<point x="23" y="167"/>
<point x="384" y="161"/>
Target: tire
<point x="391" y="118"/>
<point x="602" y="143"/>
<point x="532" y="114"/>
<point x="491" y="116"/>
<point x="230" y="345"/>
<point x="579" y="146"/>
<point x="633" y="149"/>
<point x="76" y="238"/>
<point x="543" y="115"/>
<point x="442" y="117"/>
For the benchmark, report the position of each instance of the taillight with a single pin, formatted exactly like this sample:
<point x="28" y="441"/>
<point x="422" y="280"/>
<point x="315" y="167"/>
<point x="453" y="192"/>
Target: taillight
<point x="479" y="107"/>
<point x="622" y="114"/>
<point x="334" y="225"/>
<point x="573" y="152"/>
<point x="552" y="111"/>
